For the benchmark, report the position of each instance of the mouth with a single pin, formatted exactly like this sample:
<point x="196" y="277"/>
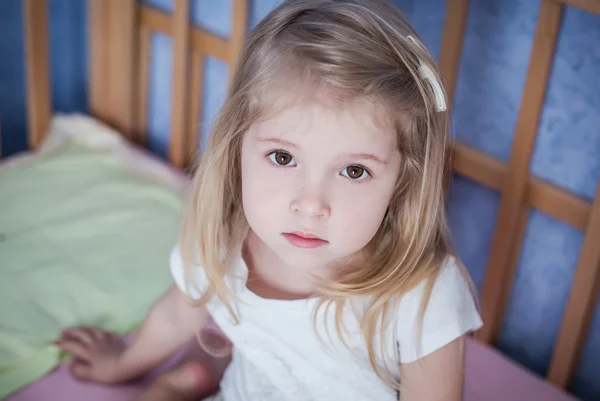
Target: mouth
<point x="304" y="240"/>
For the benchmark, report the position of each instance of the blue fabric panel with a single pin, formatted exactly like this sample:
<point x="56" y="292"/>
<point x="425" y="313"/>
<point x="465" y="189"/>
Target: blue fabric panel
<point x="215" y="87"/>
<point x="162" y="5"/>
<point x="541" y="287"/>
<point x="259" y="9"/>
<point x="427" y="17"/>
<point x="586" y="383"/>
<point x="214" y="16"/>
<point x="68" y="55"/>
<point x="566" y="152"/>
<point x="159" y="96"/>
<point x="492" y="73"/>
<point x="12" y="78"/>
<point x="68" y="66"/>
<point x="472" y="213"/>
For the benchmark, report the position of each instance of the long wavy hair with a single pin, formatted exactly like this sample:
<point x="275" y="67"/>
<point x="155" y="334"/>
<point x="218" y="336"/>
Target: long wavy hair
<point x="354" y="49"/>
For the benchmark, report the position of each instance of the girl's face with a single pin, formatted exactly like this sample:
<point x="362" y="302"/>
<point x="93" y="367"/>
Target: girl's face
<point x="317" y="180"/>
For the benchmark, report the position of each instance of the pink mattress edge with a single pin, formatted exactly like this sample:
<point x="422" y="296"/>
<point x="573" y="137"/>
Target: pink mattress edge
<point x="489" y="377"/>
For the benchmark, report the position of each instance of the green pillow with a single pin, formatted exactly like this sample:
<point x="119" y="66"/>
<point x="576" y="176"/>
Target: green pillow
<point x="83" y="241"/>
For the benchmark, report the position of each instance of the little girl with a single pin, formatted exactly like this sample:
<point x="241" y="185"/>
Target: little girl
<point x="316" y="235"/>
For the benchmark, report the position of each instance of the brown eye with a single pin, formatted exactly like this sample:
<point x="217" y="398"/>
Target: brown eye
<point x="355" y="172"/>
<point x="281" y="158"/>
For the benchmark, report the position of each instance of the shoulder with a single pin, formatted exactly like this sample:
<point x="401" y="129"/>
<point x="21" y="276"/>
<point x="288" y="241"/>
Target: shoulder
<point x="451" y="312"/>
<point x="451" y="284"/>
<point x="192" y="279"/>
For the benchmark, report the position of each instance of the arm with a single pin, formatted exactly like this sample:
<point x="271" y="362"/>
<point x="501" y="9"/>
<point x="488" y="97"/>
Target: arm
<point x="171" y="323"/>
<point x="432" y="360"/>
<point x="101" y="356"/>
<point x="436" y="377"/>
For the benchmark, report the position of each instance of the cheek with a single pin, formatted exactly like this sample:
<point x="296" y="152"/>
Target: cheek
<point x="361" y="215"/>
<point x="262" y="190"/>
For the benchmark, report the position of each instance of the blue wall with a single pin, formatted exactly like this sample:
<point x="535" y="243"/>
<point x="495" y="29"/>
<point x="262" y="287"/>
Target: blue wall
<point x="68" y="39"/>
<point x="492" y="73"/>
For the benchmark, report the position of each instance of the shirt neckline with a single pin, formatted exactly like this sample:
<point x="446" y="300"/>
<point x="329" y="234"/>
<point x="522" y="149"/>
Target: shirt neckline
<point x="252" y="299"/>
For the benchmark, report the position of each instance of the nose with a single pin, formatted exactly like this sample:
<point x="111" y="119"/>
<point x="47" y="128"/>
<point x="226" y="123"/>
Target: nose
<point x="311" y="205"/>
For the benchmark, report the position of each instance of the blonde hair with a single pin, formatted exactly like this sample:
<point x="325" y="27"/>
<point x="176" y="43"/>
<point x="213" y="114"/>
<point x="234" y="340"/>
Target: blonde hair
<point x="355" y="49"/>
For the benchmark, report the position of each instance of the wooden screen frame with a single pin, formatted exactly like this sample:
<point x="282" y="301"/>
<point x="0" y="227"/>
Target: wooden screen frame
<point x="191" y="45"/>
<point x="120" y="34"/>
<point x="520" y="192"/>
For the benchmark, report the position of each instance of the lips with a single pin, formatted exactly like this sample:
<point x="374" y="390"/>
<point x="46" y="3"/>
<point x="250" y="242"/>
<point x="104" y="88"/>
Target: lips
<point x="304" y="240"/>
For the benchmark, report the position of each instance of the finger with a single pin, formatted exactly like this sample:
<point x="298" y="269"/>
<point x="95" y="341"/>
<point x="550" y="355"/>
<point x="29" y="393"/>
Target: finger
<point x="112" y="337"/>
<point x="78" y="350"/>
<point x="80" y="370"/>
<point x="93" y="333"/>
<point x="80" y="334"/>
<point x="97" y="334"/>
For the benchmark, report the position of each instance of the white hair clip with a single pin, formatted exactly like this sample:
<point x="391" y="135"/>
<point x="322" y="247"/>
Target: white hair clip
<point x="426" y="74"/>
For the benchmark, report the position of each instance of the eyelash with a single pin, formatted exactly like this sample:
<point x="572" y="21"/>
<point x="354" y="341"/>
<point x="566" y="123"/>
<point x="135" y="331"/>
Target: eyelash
<point x="354" y="181"/>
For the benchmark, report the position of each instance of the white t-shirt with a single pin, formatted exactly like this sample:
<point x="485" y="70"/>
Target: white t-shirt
<point x="278" y="355"/>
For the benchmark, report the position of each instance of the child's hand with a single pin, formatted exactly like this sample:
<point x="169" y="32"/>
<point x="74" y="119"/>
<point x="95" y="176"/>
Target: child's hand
<point x="96" y="353"/>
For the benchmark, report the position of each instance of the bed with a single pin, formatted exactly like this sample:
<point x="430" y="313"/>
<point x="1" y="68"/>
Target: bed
<point x="109" y="146"/>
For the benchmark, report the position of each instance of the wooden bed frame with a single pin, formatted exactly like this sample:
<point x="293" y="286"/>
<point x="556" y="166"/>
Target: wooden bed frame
<point x="120" y="32"/>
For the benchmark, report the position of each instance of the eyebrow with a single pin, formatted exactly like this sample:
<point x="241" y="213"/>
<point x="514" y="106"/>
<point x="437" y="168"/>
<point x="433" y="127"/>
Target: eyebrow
<point x="278" y="141"/>
<point x="367" y="156"/>
<point x="364" y="156"/>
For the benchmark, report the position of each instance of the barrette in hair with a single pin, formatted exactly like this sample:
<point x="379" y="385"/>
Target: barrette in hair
<point x="426" y="74"/>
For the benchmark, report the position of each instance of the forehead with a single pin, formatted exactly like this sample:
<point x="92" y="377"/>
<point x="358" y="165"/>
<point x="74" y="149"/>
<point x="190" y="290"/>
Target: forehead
<point x="353" y="123"/>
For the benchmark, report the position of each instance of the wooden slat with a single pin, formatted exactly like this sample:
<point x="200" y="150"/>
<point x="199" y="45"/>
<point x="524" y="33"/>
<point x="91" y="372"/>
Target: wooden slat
<point x="210" y="44"/>
<point x="521" y="229"/>
<point x="547" y="198"/>
<point x="591" y="6"/>
<point x="239" y="27"/>
<point x="477" y="166"/>
<point x="201" y="42"/>
<point x="558" y="203"/>
<point x="39" y="97"/>
<point x="112" y="39"/>
<point x="122" y="36"/>
<point x="452" y="41"/>
<point x="155" y="20"/>
<point x="498" y="279"/>
<point x="581" y="304"/>
<point x="179" y="101"/>
<point x="195" y="112"/>
<point x="143" y="67"/>
<point x="98" y="13"/>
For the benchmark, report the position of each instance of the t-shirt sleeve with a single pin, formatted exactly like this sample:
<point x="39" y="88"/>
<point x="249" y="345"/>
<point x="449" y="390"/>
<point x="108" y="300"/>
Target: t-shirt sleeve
<point x="451" y="313"/>
<point x="193" y="284"/>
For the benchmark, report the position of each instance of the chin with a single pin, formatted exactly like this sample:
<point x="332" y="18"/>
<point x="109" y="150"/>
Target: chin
<point x="302" y="260"/>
